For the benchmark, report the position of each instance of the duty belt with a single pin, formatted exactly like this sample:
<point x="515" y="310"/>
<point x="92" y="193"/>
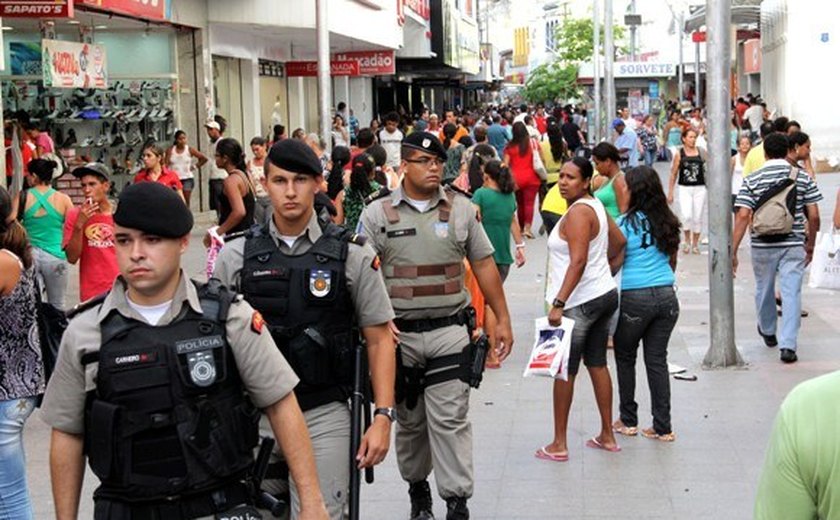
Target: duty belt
<point x="428" y="324"/>
<point x="203" y="504"/>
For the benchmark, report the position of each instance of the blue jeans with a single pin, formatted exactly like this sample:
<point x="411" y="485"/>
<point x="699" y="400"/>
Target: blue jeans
<point x="14" y="492"/>
<point x="789" y="264"/>
<point x="650" y="157"/>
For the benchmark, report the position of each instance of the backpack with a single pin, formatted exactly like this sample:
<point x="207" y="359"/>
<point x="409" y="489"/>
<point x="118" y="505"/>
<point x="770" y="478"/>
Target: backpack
<point x="775" y="209"/>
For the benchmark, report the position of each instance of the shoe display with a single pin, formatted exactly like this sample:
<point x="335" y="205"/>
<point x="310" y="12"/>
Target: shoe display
<point x="421" y="501"/>
<point x="787" y="355"/>
<point x="71" y="139"/>
<point x="456" y="509"/>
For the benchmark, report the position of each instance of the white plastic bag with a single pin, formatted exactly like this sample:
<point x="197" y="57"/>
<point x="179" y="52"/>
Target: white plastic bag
<point x="550" y="355"/>
<point x="216" y="244"/>
<point x="825" y="267"/>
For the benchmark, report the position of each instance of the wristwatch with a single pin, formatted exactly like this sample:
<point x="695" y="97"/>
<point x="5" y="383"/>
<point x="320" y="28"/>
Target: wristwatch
<point x="558" y="303"/>
<point x="390" y="413"/>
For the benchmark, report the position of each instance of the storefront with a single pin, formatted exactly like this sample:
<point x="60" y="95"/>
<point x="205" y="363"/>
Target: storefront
<point x="104" y="83"/>
<point x="637" y="84"/>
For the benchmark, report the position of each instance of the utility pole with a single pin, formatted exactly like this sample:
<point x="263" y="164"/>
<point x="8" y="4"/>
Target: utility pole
<point x="681" y="22"/>
<point x="722" y="350"/>
<point x="596" y="63"/>
<point x="324" y="93"/>
<point x="609" y="55"/>
<point x="697" y="101"/>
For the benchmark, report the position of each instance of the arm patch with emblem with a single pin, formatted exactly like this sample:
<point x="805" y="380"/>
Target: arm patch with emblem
<point x="257" y="322"/>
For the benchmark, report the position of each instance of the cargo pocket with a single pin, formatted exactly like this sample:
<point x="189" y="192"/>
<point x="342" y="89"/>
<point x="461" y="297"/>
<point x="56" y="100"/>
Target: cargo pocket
<point x="103" y="433"/>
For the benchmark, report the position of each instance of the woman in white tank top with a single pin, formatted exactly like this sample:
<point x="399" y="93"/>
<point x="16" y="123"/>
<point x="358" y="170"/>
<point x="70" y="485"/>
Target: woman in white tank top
<point x="744" y="145"/>
<point x="179" y="159"/>
<point x="584" y="250"/>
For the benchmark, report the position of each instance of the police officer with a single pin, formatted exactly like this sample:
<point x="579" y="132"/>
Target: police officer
<point x="423" y="232"/>
<point x="151" y="384"/>
<point x="318" y="285"/>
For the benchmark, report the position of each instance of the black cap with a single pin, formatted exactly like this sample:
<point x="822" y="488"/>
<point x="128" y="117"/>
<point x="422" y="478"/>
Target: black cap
<point x="153" y="208"/>
<point x="295" y="156"/>
<point x="93" y="168"/>
<point x="425" y="142"/>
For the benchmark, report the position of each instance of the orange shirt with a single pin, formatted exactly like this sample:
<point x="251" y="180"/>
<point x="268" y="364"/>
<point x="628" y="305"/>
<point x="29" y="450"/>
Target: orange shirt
<point x="459" y="133"/>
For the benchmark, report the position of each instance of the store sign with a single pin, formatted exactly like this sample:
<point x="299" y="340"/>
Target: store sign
<point x="752" y="57"/>
<point x="310" y="68"/>
<point x="74" y="65"/>
<point x="642" y="69"/>
<point x="148" y="9"/>
<point x="371" y="63"/>
<point x="36" y="8"/>
<point x="272" y="69"/>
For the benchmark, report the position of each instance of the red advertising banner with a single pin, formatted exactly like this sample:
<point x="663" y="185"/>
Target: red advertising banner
<point x="36" y="8"/>
<point x="752" y="57"/>
<point x="420" y="7"/>
<point x="371" y="63"/>
<point x="310" y="68"/>
<point x="147" y="9"/>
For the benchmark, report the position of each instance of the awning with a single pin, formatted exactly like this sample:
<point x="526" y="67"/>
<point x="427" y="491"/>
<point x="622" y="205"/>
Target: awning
<point x="743" y="12"/>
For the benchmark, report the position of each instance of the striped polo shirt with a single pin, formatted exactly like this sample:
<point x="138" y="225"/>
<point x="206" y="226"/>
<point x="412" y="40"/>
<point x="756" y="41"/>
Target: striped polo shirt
<point x="773" y="172"/>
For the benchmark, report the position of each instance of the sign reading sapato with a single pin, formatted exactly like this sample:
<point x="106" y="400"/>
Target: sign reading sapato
<point x="74" y="65"/>
<point x="36" y="8"/>
<point x="644" y="69"/>
<point x="371" y="63"/>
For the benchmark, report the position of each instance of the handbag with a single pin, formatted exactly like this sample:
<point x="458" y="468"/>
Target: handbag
<point x="52" y="323"/>
<point x="825" y="265"/>
<point x="539" y="167"/>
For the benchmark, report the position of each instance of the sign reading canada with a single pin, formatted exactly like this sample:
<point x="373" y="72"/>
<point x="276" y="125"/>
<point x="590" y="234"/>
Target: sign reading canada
<point x="148" y="9"/>
<point x="74" y="65"/>
<point x="36" y="8"/>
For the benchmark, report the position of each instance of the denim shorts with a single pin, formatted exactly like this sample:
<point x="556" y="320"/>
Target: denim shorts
<point x="188" y="184"/>
<point x="592" y="327"/>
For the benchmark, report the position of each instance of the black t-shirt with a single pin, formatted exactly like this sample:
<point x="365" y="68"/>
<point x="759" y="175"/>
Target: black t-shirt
<point x="570" y="134"/>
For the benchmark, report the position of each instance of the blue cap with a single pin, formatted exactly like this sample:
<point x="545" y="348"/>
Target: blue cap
<point x="617" y="121"/>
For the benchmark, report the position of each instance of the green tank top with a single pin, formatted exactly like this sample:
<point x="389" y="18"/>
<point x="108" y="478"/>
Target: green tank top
<point x="606" y="194"/>
<point x="45" y="231"/>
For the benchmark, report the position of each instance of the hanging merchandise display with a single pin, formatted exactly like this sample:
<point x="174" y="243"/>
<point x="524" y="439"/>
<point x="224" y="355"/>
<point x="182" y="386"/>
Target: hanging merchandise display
<point x="71" y="64"/>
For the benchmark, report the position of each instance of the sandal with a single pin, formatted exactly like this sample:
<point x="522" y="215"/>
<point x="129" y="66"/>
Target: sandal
<point x="544" y="454"/>
<point x="686" y="248"/>
<point x="695" y="250"/>
<point x="627" y="431"/>
<point x="650" y="433"/>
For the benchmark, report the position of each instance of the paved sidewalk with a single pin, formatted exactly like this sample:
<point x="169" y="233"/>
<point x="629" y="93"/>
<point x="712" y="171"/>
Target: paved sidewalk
<point x="722" y="420"/>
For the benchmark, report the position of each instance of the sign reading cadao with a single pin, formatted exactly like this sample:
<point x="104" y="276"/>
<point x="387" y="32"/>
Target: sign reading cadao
<point x="644" y="69"/>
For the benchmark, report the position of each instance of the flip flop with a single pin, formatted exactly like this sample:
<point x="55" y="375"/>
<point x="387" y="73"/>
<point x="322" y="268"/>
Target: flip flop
<point x="593" y="443"/>
<point x="544" y="454"/>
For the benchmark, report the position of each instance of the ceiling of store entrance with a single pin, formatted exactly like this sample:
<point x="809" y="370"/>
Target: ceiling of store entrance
<point x="111" y="23"/>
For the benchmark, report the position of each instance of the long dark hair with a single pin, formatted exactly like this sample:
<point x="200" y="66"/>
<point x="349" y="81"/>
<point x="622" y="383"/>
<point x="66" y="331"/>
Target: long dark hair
<point x="231" y="149"/>
<point x="501" y="175"/>
<point x="363" y="166"/>
<point x="521" y="137"/>
<point x="335" y="182"/>
<point x="449" y="131"/>
<point x="482" y="154"/>
<point x="12" y="234"/>
<point x="648" y="197"/>
<point x="555" y="139"/>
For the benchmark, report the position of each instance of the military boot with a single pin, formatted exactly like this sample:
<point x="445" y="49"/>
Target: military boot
<point x="421" y="501"/>
<point x="456" y="509"/>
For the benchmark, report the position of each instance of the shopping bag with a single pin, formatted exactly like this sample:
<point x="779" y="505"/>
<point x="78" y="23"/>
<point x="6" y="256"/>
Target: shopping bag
<point x="217" y="242"/>
<point x="550" y="355"/>
<point x="539" y="167"/>
<point x="825" y="266"/>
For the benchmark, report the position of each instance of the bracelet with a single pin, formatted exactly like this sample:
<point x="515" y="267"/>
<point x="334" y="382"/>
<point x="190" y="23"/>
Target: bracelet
<point x="520" y="246"/>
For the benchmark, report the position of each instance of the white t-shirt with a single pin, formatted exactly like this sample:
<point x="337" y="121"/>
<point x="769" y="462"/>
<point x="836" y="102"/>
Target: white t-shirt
<point x="181" y="163"/>
<point x="151" y="313"/>
<point x="755" y="115"/>
<point x="631" y="123"/>
<point x="420" y="205"/>
<point x="289" y="239"/>
<point x="215" y="171"/>
<point x="391" y="142"/>
<point x="737" y="175"/>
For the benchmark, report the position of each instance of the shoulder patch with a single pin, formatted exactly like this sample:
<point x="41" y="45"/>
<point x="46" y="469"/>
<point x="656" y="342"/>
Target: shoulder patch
<point x="456" y="190"/>
<point x="257" y="322"/>
<point x="376" y="263"/>
<point x="378" y="194"/>
<point x="87" y="305"/>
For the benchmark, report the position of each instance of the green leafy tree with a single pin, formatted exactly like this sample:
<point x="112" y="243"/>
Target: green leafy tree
<point x="574" y="40"/>
<point x="550" y="82"/>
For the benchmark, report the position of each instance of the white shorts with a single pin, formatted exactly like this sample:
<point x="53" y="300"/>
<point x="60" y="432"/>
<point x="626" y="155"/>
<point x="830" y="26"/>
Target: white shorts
<point x="692" y="207"/>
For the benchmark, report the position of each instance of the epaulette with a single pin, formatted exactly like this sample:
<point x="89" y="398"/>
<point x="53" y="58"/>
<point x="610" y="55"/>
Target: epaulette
<point x="357" y="239"/>
<point x="459" y="191"/>
<point x="86" y="305"/>
<point x="234" y="236"/>
<point x="378" y="194"/>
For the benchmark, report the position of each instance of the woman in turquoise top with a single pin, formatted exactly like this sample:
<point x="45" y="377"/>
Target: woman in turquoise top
<point x="43" y="218"/>
<point x="649" y="306"/>
<point x="609" y="185"/>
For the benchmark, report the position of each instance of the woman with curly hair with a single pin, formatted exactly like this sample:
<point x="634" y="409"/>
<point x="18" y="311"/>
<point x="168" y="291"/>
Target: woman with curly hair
<point x="649" y="305"/>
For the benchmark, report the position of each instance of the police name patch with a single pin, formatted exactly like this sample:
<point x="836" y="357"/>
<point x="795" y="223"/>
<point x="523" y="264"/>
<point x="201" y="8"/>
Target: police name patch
<point x="195" y="344"/>
<point x="135" y="359"/>
<point x="320" y="283"/>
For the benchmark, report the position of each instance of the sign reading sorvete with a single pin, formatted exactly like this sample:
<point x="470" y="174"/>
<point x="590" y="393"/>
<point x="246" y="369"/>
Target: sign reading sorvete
<point x="74" y="65"/>
<point x="36" y="8"/>
<point x="644" y="69"/>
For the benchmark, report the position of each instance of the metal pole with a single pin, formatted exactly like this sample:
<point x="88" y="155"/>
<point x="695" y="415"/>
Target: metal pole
<point x="722" y="350"/>
<point x="324" y="95"/>
<point x="697" y="101"/>
<point x="596" y="63"/>
<point x="609" y="54"/>
<point x="681" y="23"/>
<point x="632" y="32"/>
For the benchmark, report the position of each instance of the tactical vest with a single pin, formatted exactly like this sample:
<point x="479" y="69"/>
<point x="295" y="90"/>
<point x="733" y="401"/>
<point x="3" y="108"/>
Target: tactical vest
<point x="169" y="416"/>
<point x="423" y="260"/>
<point x="307" y="306"/>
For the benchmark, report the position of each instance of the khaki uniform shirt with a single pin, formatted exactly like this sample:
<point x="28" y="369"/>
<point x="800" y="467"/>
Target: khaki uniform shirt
<point x="265" y="373"/>
<point x="366" y="286"/>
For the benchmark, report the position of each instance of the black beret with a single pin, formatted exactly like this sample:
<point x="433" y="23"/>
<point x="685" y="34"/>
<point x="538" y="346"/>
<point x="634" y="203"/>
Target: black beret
<point x="154" y="209"/>
<point x="295" y="156"/>
<point x="425" y="142"/>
